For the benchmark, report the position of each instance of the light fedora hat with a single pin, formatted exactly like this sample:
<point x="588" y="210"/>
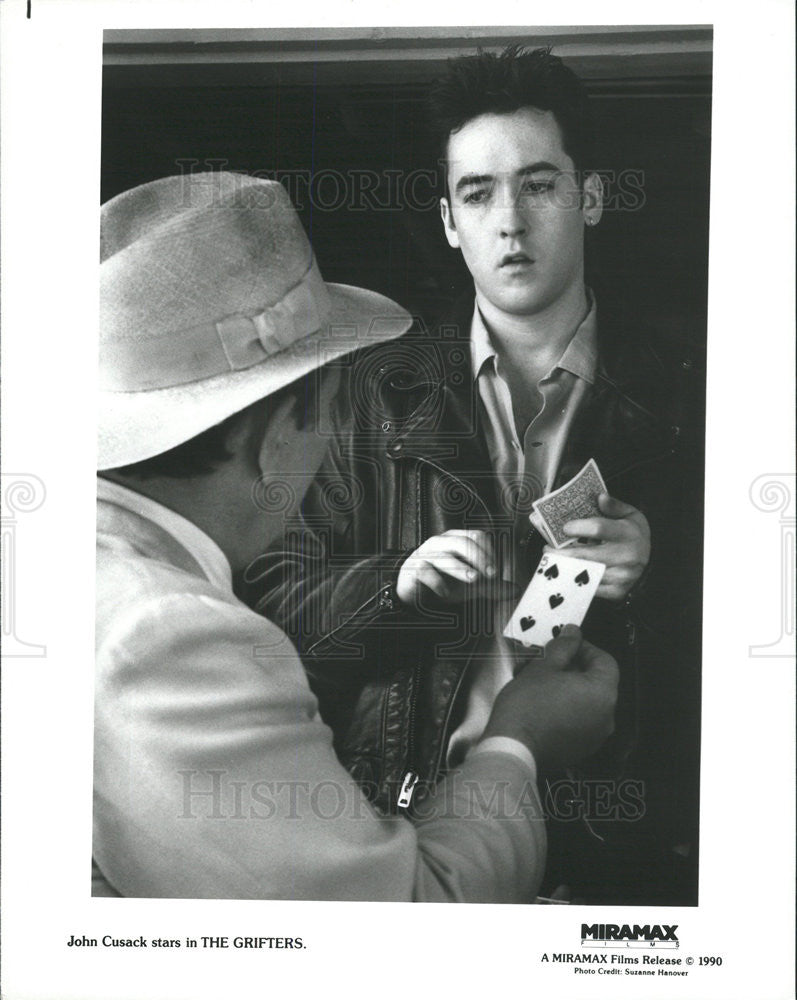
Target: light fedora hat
<point x="210" y="298"/>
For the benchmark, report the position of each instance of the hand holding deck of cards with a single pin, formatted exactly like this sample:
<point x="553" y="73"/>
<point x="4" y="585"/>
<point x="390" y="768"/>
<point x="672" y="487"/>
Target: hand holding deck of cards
<point x="592" y="525"/>
<point x="577" y="499"/>
<point x="564" y="585"/>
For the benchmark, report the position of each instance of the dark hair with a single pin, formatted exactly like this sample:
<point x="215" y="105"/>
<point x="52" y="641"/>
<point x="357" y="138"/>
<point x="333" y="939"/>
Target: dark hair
<point x="208" y="450"/>
<point x="500" y="84"/>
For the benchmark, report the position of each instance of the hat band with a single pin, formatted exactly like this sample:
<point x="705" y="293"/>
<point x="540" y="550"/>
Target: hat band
<point x="230" y="344"/>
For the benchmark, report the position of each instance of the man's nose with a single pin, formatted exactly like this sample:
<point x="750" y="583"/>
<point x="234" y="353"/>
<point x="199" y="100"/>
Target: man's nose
<point x="512" y="222"/>
<point x="511" y="231"/>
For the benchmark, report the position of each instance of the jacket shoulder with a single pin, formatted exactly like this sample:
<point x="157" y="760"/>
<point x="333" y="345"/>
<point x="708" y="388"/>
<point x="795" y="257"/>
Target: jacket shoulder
<point x="452" y="325"/>
<point x="634" y="337"/>
<point x="389" y="381"/>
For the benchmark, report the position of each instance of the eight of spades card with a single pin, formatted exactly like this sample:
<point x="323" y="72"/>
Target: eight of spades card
<point x="559" y="594"/>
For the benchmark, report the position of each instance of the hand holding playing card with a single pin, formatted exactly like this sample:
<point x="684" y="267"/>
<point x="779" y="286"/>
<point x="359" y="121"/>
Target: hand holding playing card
<point x="560" y="705"/>
<point x="620" y="539"/>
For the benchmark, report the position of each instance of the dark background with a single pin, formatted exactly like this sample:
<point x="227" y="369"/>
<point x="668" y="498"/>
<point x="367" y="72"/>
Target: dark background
<point x="303" y="110"/>
<point x="308" y="107"/>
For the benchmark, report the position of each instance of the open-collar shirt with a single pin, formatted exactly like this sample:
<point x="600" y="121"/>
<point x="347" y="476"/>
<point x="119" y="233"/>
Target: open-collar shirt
<point x="526" y="471"/>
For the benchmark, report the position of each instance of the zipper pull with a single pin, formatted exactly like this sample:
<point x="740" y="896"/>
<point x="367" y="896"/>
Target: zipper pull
<point x="407" y="788"/>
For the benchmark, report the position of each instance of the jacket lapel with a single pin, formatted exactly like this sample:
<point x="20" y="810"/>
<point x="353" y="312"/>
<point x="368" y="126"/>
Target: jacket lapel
<point x="442" y="427"/>
<point x="624" y="421"/>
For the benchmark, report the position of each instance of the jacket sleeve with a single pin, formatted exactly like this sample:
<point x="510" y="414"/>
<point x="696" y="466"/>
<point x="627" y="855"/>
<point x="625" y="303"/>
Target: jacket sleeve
<point x="215" y="778"/>
<point x="329" y="582"/>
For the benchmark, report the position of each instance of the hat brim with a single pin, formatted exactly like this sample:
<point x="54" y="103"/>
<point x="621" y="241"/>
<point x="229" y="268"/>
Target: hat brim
<point x="134" y="426"/>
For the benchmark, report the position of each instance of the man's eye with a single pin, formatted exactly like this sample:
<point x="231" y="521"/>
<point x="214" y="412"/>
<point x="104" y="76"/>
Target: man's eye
<point x="474" y="197"/>
<point x="537" y="187"/>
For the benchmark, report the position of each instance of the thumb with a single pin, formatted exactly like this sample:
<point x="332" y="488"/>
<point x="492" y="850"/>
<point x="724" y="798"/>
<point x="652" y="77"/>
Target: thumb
<point x="599" y="664"/>
<point x="561" y="651"/>
<point x="611" y="507"/>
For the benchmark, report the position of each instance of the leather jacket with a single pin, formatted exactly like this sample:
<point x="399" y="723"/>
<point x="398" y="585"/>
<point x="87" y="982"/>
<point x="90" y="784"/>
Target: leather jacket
<point x="408" y="460"/>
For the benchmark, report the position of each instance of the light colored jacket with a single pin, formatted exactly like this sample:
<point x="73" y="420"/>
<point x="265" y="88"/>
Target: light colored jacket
<point x="216" y="778"/>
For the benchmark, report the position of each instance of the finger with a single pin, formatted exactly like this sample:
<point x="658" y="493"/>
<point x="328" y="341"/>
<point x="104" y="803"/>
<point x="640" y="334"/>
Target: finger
<point x="612" y="507"/>
<point x="475" y="534"/>
<point x="427" y="576"/>
<point x="601" y="528"/>
<point x="612" y="593"/>
<point x="476" y="553"/>
<point x="598" y="664"/>
<point x="613" y="555"/>
<point x="595" y="553"/>
<point x="484" y="544"/>
<point x="448" y="564"/>
<point x="561" y="651"/>
<point x="479" y="538"/>
<point x="616" y="589"/>
<point x="622" y="576"/>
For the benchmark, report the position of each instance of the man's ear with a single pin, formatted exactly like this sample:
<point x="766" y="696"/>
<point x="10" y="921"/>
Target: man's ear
<point x="279" y="434"/>
<point x="448" y="223"/>
<point x="592" y="199"/>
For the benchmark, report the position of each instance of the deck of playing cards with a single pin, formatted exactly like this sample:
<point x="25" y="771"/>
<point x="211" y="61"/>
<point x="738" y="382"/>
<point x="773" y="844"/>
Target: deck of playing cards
<point x="576" y="499"/>
<point x="559" y="594"/>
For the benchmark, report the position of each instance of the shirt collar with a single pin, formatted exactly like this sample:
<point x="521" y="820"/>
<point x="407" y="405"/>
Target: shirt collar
<point x="580" y="356"/>
<point x="201" y="547"/>
<point x="481" y="347"/>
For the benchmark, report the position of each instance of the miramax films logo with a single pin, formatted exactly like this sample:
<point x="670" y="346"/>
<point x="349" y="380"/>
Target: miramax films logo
<point x="629" y="936"/>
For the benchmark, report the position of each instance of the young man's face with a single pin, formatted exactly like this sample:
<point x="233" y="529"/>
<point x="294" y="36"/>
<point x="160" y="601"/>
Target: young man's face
<point x="516" y="210"/>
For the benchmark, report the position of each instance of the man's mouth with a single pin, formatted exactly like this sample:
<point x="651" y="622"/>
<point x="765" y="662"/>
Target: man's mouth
<point x="515" y="258"/>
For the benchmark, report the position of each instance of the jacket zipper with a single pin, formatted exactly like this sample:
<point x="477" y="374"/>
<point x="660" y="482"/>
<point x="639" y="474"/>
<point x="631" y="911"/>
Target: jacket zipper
<point x="407" y="789"/>
<point x="410" y="779"/>
<point x="411" y="776"/>
<point x="376" y="597"/>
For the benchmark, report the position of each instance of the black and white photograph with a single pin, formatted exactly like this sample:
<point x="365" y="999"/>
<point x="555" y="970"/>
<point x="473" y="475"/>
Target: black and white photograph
<point x="514" y="251"/>
<point x="397" y="452"/>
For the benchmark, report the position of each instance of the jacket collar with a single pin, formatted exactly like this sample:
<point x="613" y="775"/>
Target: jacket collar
<point x="625" y="420"/>
<point x="439" y="421"/>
